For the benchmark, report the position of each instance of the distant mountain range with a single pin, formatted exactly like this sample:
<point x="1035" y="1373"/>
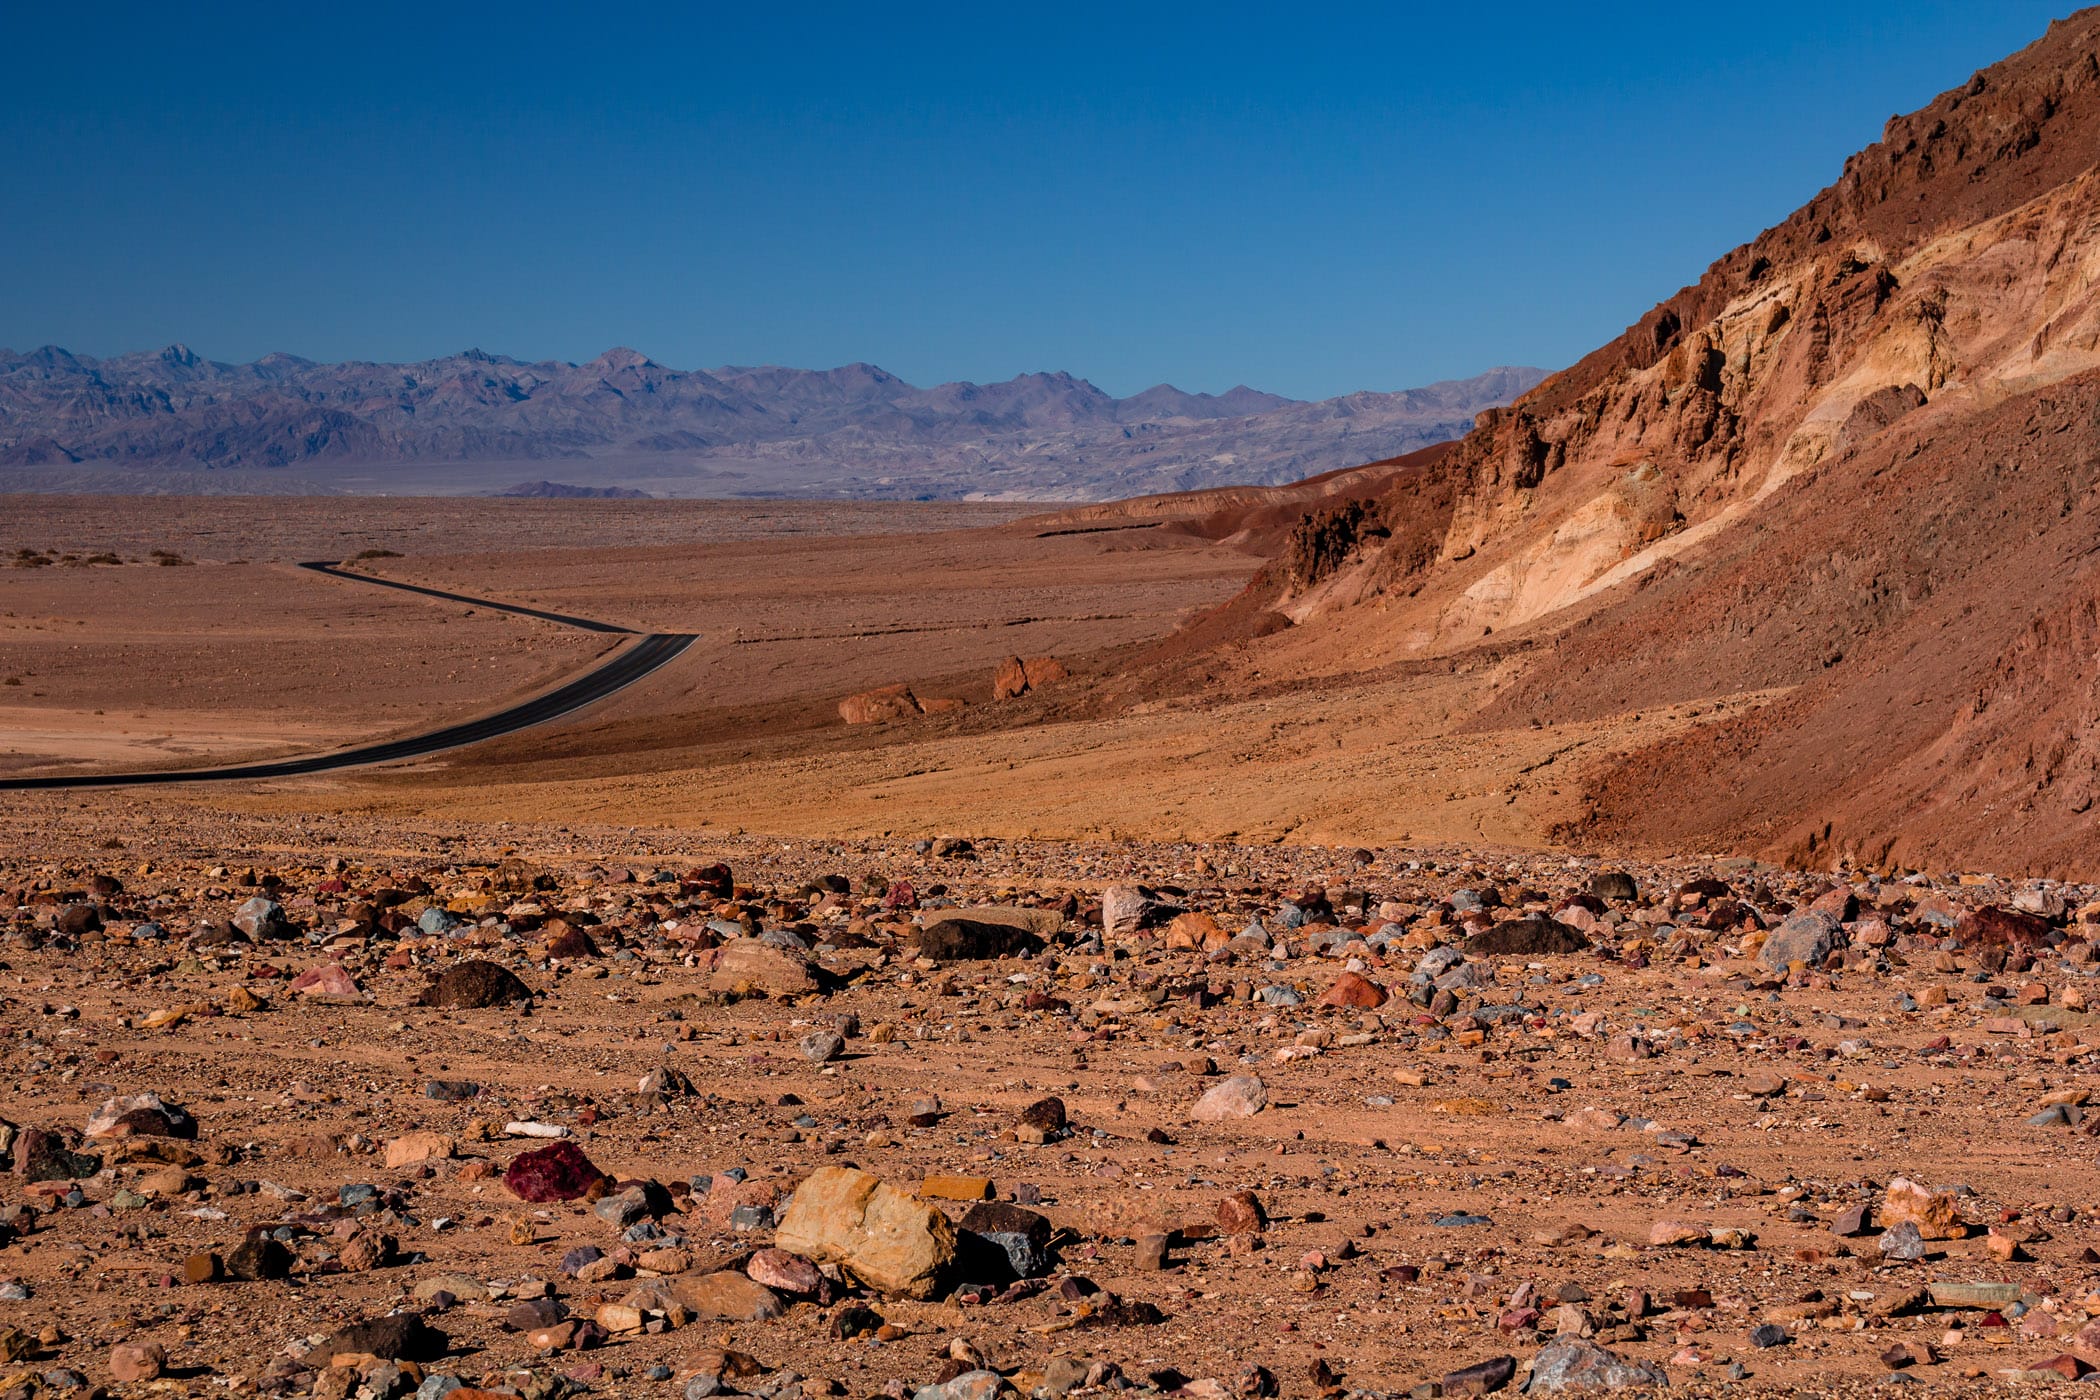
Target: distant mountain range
<point x="624" y="420"/>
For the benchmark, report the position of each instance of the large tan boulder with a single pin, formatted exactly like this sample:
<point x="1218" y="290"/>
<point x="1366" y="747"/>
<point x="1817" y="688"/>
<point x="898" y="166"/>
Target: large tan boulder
<point x="743" y="964"/>
<point x="890" y="1241"/>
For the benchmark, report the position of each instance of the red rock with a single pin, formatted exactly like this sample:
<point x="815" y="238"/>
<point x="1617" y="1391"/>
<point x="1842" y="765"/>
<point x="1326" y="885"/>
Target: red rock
<point x="131" y="1362"/>
<point x="1353" y="990"/>
<point x="1241" y="1213"/>
<point x="784" y="1272"/>
<point x="1016" y="677"/>
<point x="883" y="703"/>
<point x="330" y="979"/>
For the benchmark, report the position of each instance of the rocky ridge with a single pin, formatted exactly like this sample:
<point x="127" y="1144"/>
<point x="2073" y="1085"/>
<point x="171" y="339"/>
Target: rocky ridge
<point x="1844" y="478"/>
<point x="855" y="431"/>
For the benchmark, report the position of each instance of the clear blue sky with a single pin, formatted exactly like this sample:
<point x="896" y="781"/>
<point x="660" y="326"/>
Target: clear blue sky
<point x="1310" y="199"/>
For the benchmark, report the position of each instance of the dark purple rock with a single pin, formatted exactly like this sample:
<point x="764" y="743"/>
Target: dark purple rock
<point x="557" y="1172"/>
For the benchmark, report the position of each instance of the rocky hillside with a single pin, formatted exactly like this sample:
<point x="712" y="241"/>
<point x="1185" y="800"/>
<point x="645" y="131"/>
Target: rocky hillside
<point x="1851" y="467"/>
<point x="854" y="431"/>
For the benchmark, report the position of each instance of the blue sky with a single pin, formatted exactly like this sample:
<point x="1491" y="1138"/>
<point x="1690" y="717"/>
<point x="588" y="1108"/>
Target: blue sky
<point x="1307" y="199"/>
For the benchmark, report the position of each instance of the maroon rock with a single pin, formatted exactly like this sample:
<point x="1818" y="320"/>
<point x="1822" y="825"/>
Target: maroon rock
<point x="475" y="984"/>
<point x="1482" y="1377"/>
<point x="557" y="1172"/>
<point x="571" y="942"/>
<point x="1992" y="926"/>
<point x="712" y="879"/>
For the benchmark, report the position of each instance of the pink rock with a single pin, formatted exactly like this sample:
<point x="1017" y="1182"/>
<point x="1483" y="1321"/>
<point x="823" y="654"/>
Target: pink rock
<point x="784" y="1272"/>
<point x="329" y="979"/>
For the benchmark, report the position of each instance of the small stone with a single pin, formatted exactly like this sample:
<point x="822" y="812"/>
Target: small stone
<point x="1480" y="1378"/>
<point x="822" y="1047"/>
<point x="1021" y="1235"/>
<point x="1935" y="1213"/>
<point x="1352" y="990"/>
<point x="784" y="1272"/>
<point x="1671" y="1234"/>
<point x="394" y="1337"/>
<point x="974" y="940"/>
<point x="727" y="1294"/>
<point x="133" y="1362"/>
<point x="419" y="1146"/>
<point x="259" y="1257"/>
<point x="474" y="985"/>
<point x="888" y="1240"/>
<point x="1569" y="1363"/>
<point x="1046" y="1116"/>
<point x="1241" y="1096"/>
<point x="329" y="979"/>
<point x="1241" y="1213"/>
<point x="140" y="1115"/>
<point x="1902" y="1242"/>
<point x="1805" y="938"/>
<point x="554" y="1336"/>
<point x="943" y="1187"/>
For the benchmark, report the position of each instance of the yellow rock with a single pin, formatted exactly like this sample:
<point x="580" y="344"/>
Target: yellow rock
<point x="618" y="1317"/>
<point x="1467" y="1107"/>
<point x="956" y="1188"/>
<point x="420" y="1146"/>
<point x="886" y="1239"/>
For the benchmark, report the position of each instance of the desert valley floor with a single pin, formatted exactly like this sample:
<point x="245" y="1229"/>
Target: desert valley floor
<point x="1220" y="1023"/>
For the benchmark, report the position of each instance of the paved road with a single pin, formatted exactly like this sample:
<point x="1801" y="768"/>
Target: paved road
<point x="334" y="571"/>
<point x="623" y="668"/>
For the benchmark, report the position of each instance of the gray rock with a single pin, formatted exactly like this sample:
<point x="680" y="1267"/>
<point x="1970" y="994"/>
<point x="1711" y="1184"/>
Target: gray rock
<point x="1126" y="909"/>
<point x="1063" y="1375"/>
<point x="1434" y="964"/>
<point x="1569" y="1363"/>
<point x="970" y="1385"/>
<point x="1806" y="937"/>
<point x="1460" y="977"/>
<point x="624" y="1209"/>
<point x="1021" y="1234"/>
<point x="1902" y="1242"/>
<point x="819" y="1047"/>
<point x="262" y="919"/>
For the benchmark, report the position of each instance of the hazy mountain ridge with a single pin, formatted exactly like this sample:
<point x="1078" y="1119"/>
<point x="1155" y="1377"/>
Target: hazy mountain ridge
<point x="856" y="429"/>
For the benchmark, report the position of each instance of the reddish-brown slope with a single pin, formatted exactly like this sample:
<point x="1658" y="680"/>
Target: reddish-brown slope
<point x="1852" y="463"/>
<point x="1932" y="599"/>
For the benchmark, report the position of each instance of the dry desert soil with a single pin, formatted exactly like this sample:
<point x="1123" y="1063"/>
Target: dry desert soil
<point x="1481" y="1115"/>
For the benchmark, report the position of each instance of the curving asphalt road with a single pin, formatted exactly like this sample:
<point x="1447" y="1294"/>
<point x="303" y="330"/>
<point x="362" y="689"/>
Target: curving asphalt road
<point x="336" y="571"/>
<point x="626" y="666"/>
